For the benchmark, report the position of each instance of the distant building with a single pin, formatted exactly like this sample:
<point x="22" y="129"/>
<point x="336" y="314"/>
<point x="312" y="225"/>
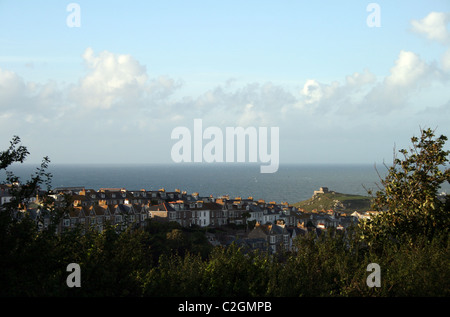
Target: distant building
<point x="322" y="190"/>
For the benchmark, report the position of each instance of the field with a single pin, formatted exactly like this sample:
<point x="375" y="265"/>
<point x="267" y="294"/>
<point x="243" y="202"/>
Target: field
<point x="346" y="203"/>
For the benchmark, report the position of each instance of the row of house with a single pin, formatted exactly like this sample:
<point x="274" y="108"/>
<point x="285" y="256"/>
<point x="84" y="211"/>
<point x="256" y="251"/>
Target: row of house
<point x="90" y="208"/>
<point x="181" y="207"/>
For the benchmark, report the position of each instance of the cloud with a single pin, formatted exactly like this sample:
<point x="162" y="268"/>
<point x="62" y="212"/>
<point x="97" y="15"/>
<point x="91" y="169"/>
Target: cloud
<point x="118" y="80"/>
<point x="445" y="61"/>
<point x="20" y="97"/>
<point x="434" y="27"/>
<point x="252" y="117"/>
<point x="13" y="91"/>
<point x="319" y="97"/>
<point x="407" y="77"/>
<point x="408" y="70"/>
<point x="253" y="104"/>
<point x="362" y="93"/>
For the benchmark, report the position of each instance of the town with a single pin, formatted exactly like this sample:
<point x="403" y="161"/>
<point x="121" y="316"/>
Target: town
<point x="257" y="224"/>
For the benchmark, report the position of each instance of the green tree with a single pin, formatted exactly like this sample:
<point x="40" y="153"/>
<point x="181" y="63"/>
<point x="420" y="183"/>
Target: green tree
<point x="245" y="216"/>
<point x="408" y="201"/>
<point x="23" y="268"/>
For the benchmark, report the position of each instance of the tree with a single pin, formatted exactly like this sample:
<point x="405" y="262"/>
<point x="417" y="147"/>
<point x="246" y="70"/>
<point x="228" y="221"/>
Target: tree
<point x="23" y="269"/>
<point x="22" y="192"/>
<point x="408" y="201"/>
<point x="246" y="215"/>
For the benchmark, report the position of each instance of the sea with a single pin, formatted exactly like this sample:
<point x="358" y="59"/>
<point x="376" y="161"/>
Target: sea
<point x="291" y="183"/>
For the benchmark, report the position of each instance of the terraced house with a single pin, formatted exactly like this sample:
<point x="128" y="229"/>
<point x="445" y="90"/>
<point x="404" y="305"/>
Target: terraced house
<point x="88" y="208"/>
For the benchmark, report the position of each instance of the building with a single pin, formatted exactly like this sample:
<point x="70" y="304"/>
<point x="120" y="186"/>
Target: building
<point x="277" y="236"/>
<point x="322" y="190"/>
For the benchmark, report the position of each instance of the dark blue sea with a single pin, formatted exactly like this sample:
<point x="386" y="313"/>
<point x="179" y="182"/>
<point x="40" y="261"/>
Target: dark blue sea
<point x="291" y="183"/>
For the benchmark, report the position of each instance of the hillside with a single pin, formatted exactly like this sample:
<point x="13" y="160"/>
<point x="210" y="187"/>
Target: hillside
<point x="336" y="201"/>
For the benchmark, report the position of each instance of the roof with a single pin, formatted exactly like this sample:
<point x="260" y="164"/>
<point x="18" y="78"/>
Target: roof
<point x="161" y="207"/>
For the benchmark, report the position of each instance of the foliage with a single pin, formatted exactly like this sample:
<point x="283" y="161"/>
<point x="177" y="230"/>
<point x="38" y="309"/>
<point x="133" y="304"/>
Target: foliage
<point x="408" y="201"/>
<point x="334" y="200"/>
<point x="164" y="259"/>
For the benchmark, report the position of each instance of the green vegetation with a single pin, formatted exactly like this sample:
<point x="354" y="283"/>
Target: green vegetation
<point x="409" y="241"/>
<point x="409" y="197"/>
<point x="345" y="203"/>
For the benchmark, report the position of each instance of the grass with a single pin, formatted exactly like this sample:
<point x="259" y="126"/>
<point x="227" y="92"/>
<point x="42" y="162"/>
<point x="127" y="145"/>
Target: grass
<point x="336" y="201"/>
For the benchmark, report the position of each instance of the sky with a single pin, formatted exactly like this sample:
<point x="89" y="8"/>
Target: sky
<point x="112" y="88"/>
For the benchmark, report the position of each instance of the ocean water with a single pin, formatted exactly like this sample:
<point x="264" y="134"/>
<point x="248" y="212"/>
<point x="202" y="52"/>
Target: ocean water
<point x="291" y="183"/>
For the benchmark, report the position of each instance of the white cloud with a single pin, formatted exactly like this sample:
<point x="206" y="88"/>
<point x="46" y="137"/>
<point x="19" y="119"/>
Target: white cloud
<point x="409" y="75"/>
<point x="445" y="61"/>
<point x="407" y="78"/>
<point x="434" y="26"/>
<point x="252" y="117"/>
<point x="409" y="69"/>
<point x="253" y="104"/>
<point x="319" y="97"/>
<point x="20" y="97"/>
<point x="12" y="90"/>
<point x="312" y="92"/>
<point x="117" y="79"/>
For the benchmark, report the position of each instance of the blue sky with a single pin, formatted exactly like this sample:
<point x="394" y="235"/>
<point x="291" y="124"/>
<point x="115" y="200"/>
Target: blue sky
<point x="113" y="89"/>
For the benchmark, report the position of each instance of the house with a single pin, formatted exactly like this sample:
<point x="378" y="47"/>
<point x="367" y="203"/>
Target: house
<point x="68" y="190"/>
<point x="276" y="236"/>
<point x="200" y="214"/>
<point x="178" y="211"/>
<point x="256" y="213"/>
<point x="298" y="231"/>
<point x="5" y="195"/>
<point x="161" y="212"/>
<point x="322" y="190"/>
<point x="323" y="220"/>
<point x="217" y="213"/>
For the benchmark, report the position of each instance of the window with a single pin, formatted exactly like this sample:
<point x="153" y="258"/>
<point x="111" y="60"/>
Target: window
<point x="66" y="222"/>
<point x="118" y="218"/>
<point x="272" y="239"/>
